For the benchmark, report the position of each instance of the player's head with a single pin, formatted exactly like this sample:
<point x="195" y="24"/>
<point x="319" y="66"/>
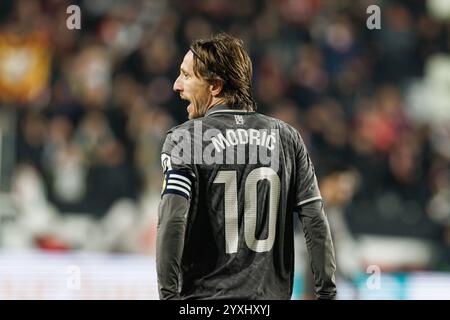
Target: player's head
<point x="216" y="70"/>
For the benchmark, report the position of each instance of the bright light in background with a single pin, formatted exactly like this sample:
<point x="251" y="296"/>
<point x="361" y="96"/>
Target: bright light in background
<point x="439" y="8"/>
<point x="425" y="286"/>
<point x="74" y="276"/>
<point x="87" y="276"/>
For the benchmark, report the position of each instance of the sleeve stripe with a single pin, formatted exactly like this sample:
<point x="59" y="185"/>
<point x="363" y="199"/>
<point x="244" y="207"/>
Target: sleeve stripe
<point x="180" y="183"/>
<point x="172" y="178"/>
<point x="178" y="176"/>
<point x="309" y="200"/>
<point x="179" y="189"/>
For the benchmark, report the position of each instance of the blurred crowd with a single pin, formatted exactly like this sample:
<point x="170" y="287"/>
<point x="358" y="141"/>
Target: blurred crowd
<point x="92" y="106"/>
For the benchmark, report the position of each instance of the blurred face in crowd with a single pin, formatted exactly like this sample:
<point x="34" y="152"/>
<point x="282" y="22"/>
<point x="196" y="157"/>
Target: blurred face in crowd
<point x="193" y="89"/>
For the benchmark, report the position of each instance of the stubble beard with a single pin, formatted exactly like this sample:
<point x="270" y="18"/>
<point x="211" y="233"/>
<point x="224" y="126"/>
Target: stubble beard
<point x="199" y="106"/>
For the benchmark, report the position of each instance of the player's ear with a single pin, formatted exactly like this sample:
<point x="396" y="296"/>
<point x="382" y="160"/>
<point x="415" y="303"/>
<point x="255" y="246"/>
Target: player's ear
<point x="216" y="87"/>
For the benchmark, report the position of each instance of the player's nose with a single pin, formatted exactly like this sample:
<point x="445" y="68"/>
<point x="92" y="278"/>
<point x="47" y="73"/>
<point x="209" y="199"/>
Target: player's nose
<point x="177" y="85"/>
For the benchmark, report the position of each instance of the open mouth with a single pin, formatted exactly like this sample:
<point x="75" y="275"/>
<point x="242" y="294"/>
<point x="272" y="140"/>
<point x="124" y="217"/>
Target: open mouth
<point x="189" y="107"/>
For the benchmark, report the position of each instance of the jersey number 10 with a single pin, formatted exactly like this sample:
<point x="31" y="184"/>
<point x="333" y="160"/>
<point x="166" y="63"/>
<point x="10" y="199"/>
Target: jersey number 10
<point x="250" y="208"/>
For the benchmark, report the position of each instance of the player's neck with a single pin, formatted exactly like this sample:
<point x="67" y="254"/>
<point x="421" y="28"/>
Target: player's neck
<point x="215" y="102"/>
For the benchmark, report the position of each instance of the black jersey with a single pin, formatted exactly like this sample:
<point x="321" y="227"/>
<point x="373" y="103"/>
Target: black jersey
<point x="243" y="174"/>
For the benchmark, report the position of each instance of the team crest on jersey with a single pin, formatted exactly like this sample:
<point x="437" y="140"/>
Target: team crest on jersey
<point x="239" y="119"/>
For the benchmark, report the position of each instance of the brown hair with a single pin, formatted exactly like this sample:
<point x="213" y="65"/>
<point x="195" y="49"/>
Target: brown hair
<point x="223" y="57"/>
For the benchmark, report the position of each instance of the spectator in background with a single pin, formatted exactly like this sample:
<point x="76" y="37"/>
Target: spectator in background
<point x="65" y="165"/>
<point x="31" y="139"/>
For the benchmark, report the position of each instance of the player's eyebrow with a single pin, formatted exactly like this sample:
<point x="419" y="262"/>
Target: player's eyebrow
<point x="183" y="70"/>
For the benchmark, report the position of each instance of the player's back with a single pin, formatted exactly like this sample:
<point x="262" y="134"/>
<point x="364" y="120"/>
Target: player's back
<point x="239" y="235"/>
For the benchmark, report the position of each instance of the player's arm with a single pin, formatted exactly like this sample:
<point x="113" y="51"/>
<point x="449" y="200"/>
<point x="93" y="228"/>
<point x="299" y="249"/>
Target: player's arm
<point x="172" y="214"/>
<point x="172" y="219"/>
<point x="315" y="225"/>
<point x="320" y="248"/>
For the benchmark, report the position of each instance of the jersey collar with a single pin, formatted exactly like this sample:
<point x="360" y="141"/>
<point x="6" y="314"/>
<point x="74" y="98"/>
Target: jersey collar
<point x="222" y="108"/>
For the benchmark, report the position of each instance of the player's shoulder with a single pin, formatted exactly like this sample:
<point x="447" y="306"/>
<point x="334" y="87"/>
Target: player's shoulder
<point x="177" y="136"/>
<point x="187" y="125"/>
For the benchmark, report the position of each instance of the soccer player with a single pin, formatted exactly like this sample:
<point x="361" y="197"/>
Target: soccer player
<point x="233" y="180"/>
